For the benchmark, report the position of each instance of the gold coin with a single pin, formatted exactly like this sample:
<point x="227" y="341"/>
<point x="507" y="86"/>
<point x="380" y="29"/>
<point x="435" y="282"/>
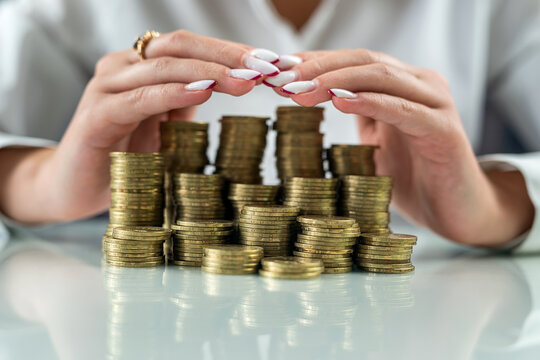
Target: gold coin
<point x="387" y="270"/>
<point x="321" y="256"/>
<point x="185" y="263"/>
<point x="134" y="264"/>
<point x="326" y="221"/>
<point x="289" y="276"/>
<point x="228" y="271"/>
<point x="337" y="270"/>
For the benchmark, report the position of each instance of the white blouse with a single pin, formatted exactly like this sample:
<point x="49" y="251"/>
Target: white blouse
<point x="489" y="50"/>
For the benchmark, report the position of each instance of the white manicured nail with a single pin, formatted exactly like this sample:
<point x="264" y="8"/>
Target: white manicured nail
<point x="341" y="93"/>
<point x="261" y="66"/>
<point x="245" y="74"/>
<point x="288" y="61"/>
<point x="265" y="55"/>
<point x="201" y="85"/>
<point x="298" y="87"/>
<point x="281" y="79"/>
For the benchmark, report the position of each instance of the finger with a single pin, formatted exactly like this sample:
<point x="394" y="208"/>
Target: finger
<point x="133" y="106"/>
<point x="335" y="60"/>
<point x="173" y="70"/>
<point x="409" y="117"/>
<point x="378" y="77"/>
<point x="184" y="44"/>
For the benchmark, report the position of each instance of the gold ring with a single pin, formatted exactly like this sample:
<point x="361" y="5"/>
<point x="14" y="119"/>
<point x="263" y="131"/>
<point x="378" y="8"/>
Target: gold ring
<point x="142" y="40"/>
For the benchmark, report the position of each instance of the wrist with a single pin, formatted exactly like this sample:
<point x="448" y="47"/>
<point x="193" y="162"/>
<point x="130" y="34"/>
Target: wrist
<point x="514" y="206"/>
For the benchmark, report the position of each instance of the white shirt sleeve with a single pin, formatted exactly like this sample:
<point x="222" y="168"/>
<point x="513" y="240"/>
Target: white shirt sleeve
<point x="40" y="77"/>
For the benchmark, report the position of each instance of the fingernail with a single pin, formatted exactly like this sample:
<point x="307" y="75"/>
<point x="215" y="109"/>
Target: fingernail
<point x="288" y="61"/>
<point x="281" y="79"/>
<point x="201" y="85"/>
<point x="265" y="55"/>
<point x="341" y="93"/>
<point x="261" y="66"/>
<point x="298" y="87"/>
<point x="245" y="74"/>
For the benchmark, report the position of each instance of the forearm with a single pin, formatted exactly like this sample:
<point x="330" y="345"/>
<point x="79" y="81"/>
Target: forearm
<point x="25" y="180"/>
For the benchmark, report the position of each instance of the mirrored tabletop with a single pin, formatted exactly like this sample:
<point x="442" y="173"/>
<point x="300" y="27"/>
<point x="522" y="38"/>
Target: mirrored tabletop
<point x="58" y="300"/>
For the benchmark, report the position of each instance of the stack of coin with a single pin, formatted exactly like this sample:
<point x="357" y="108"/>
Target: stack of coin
<point x="184" y="145"/>
<point x="351" y="160"/>
<point x="389" y="253"/>
<point x="190" y="237"/>
<point x="314" y="196"/>
<point x="367" y="198"/>
<point x="198" y="196"/>
<point x="251" y="194"/>
<point x="136" y="189"/>
<point x="291" y="267"/>
<point x="329" y="238"/>
<point x="231" y="259"/>
<point x="299" y="144"/>
<point x="241" y="148"/>
<point x="136" y="246"/>
<point x="272" y="227"/>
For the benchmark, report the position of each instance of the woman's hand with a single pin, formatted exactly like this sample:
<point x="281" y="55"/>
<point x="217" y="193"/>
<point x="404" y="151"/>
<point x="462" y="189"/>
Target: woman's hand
<point x="410" y="113"/>
<point x="120" y="110"/>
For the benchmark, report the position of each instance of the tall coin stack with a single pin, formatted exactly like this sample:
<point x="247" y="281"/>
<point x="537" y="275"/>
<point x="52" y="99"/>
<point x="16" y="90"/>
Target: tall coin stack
<point x="329" y="238"/>
<point x="241" y="148"/>
<point x="313" y="196"/>
<point x="299" y="144"/>
<point x="367" y="198"/>
<point x="351" y="160"/>
<point x="190" y="237"/>
<point x="135" y="246"/>
<point x="198" y="196"/>
<point x="231" y="259"/>
<point x="136" y="189"/>
<point x="251" y="194"/>
<point x="390" y="253"/>
<point x="184" y="145"/>
<point x="272" y="227"/>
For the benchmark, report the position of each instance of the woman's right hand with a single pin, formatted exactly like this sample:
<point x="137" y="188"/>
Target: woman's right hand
<point x="121" y="109"/>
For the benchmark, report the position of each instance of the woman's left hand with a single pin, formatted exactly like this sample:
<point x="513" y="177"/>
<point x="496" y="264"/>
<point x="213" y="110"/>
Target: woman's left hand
<point x="409" y="111"/>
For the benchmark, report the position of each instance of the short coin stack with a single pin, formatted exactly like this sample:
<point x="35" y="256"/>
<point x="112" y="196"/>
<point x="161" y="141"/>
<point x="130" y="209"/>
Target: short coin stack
<point x="241" y="148"/>
<point x="184" y="145"/>
<point x="271" y="227"/>
<point x="351" y="160"/>
<point x="299" y="144"/>
<point x="136" y="189"/>
<point x="313" y="196"/>
<point x="329" y="238"/>
<point x="291" y="267"/>
<point x="138" y="246"/>
<point x="231" y="259"/>
<point x="367" y="198"/>
<point x="190" y="237"/>
<point x="198" y="196"/>
<point x="390" y="253"/>
<point x="251" y="194"/>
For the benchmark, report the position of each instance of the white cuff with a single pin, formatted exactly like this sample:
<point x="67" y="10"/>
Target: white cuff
<point x="529" y="166"/>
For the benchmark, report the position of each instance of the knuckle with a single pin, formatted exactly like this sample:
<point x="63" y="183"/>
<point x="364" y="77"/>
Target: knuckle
<point x="161" y="64"/>
<point x="385" y="70"/>
<point x="136" y="98"/>
<point x="406" y="107"/>
<point x="102" y="64"/>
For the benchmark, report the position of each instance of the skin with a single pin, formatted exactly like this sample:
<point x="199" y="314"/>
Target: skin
<point x="407" y="110"/>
